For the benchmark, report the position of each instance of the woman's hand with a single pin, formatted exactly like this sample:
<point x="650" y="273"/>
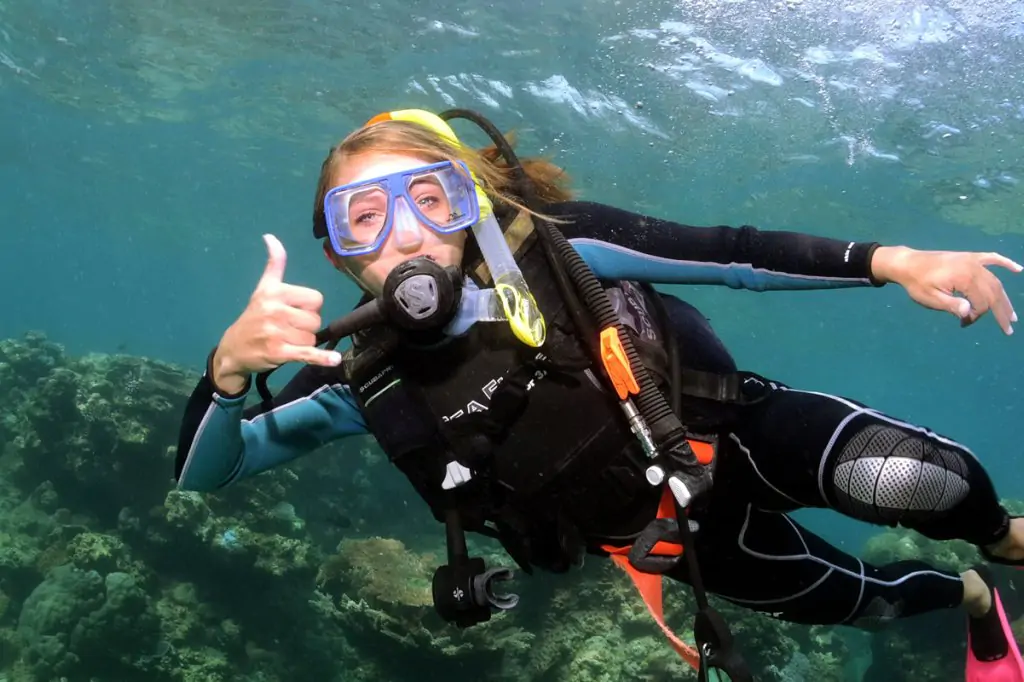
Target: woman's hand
<point x="279" y="325"/>
<point x="958" y="282"/>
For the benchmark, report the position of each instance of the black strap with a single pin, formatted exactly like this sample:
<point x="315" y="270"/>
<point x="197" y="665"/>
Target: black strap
<point x="717" y="650"/>
<point x="658" y="530"/>
<point x="736" y="388"/>
<point x="711" y="632"/>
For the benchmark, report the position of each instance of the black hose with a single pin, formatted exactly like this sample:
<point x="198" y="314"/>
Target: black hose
<point x="651" y="401"/>
<point x="364" y="316"/>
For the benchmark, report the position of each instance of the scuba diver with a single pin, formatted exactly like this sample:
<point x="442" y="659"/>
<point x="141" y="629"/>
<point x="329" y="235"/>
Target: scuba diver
<point x="535" y="388"/>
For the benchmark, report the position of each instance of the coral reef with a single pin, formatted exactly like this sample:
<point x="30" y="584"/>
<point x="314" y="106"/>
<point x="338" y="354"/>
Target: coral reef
<point x="68" y="622"/>
<point x="110" y="574"/>
<point x="890" y="546"/>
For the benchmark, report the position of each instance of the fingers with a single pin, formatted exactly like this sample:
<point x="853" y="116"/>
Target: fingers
<point x="1000" y="260"/>
<point x="940" y="300"/>
<point x="290" y="336"/>
<point x="962" y="284"/>
<point x="277" y="258"/>
<point x="295" y="345"/>
<point x="301" y="297"/>
<point x="272" y="286"/>
<point x="1003" y="311"/>
<point x="280" y="323"/>
<point x="272" y="280"/>
<point x="980" y="300"/>
<point x="962" y="308"/>
<point x="986" y="293"/>
<point x="303" y="320"/>
<point x="314" y="356"/>
<point x="287" y="332"/>
<point x="998" y="301"/>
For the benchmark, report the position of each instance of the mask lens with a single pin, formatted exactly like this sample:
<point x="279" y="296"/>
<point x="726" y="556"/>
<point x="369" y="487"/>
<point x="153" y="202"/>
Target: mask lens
<point x="367" y="213"/>
<point x="356" y="217"/>
<point x="441" y="198"/>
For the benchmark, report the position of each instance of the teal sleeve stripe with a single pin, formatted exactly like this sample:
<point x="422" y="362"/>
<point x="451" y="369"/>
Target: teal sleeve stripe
<point x="611" y="261"/>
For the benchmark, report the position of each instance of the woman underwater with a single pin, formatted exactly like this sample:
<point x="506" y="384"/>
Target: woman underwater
<point x="520" y="407"/>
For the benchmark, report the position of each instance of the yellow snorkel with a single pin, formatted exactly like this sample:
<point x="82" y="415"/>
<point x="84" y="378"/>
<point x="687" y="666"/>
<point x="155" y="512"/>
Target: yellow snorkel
<point x="520" y="308"/>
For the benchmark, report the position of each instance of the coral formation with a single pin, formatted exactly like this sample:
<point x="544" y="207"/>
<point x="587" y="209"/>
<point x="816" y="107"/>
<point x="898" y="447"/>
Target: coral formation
<point x="110" y="574"/>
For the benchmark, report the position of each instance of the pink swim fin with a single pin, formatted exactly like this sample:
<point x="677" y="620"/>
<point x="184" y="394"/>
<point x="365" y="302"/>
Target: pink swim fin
<point x="992" y="652"/>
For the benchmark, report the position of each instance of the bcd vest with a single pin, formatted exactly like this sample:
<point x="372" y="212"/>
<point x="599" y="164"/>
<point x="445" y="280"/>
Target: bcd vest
<point x="556" y="468"/>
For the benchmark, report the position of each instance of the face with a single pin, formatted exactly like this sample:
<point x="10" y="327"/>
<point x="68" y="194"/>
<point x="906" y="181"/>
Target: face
<point x="409" y="238"/>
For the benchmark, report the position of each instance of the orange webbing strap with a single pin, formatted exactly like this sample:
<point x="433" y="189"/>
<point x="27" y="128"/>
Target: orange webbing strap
<point x="649" y="584"/>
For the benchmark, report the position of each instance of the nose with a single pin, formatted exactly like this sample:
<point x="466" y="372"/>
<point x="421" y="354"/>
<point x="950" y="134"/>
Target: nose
<point x="406" y="233"/>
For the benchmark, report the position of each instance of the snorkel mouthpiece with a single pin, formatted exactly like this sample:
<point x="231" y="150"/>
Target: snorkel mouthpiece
<point x="521" y="309"/>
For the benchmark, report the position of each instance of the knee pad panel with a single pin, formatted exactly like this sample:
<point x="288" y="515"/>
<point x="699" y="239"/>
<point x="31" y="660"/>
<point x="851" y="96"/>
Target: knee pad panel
<point x="885" y="474"/>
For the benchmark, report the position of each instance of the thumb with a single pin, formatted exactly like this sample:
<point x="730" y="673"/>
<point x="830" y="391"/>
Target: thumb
<point x="277" y="257"/>
<point x="960" y="307"/>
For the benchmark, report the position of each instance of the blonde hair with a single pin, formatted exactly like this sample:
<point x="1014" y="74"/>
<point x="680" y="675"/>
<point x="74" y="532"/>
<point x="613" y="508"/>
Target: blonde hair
<point x="551" y="183"/>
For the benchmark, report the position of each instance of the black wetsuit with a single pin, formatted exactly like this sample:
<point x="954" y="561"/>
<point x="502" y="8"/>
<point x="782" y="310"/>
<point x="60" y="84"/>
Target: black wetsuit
<point x="793" y="449"/>
<point x="799" y="448"/>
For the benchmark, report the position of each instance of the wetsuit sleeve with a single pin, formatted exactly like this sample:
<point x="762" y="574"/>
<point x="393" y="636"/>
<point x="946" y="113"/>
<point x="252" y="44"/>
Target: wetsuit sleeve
<point x="619" y="244"/>
<point x="221" y="441"/>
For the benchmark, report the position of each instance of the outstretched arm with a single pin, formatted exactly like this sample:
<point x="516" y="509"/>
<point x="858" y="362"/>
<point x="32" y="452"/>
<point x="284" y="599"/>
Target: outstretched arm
<point x="619" y="244"/>
<point x="221" y="441"/>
